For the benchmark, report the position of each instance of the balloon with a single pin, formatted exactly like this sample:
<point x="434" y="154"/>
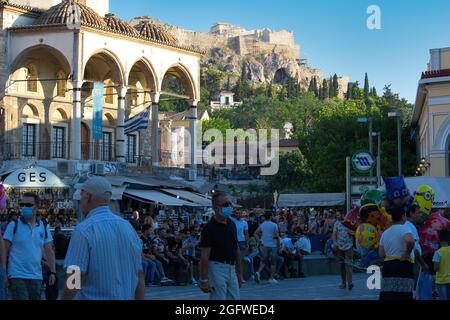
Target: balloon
<point x="372" y="196"/>
<point x="366" y="235"/>
<point x="424" y="198"/>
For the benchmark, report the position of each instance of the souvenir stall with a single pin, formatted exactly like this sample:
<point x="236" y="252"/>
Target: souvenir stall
<point x="53" y="193"/>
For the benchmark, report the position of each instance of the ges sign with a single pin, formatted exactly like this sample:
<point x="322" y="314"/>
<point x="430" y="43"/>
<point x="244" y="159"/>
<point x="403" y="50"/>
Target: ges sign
<point x="32" y="176"/>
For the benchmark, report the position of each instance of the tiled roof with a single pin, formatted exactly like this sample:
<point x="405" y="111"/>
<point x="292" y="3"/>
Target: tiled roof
<point x="62" y="13"/>
<point x="19" y="6"/>
<point x="115" y="23"/>
<point x="155" y="31"/>
<point x="436" y="74"/>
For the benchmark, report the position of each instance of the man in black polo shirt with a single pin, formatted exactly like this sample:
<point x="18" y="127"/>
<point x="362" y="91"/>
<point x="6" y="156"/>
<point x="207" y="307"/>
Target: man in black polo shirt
<point x="220" y="265"/>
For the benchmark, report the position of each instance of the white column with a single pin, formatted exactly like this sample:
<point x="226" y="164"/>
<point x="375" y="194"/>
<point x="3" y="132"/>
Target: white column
<point x="120" y="126"/>
<point x="193" y="134"/>
<point x="76" y="122"/>
<point x="155" y="133"/>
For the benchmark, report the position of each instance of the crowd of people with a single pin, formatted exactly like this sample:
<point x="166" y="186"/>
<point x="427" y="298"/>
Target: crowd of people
<point x="171" y="252"/>
<point x="259" y="244"/>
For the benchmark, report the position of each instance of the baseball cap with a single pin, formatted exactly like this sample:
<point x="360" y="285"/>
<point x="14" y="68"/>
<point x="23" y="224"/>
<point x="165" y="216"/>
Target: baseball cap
<point x="98" y="187"/>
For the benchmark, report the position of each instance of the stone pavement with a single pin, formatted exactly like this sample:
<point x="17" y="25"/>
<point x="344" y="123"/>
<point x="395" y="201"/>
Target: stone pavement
<point x="311" y="288"/>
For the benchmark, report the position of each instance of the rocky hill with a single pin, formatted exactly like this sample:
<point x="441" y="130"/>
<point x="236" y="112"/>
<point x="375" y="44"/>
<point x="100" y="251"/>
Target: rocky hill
<point x="268" y="56"/>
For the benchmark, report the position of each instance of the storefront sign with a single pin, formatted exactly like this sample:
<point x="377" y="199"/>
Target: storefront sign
<point x="33" y="177"/>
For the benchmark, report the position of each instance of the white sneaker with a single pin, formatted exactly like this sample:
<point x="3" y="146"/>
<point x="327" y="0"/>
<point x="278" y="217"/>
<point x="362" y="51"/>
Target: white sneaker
<point x="257" y="277"/>
<point x="273" y="281"/>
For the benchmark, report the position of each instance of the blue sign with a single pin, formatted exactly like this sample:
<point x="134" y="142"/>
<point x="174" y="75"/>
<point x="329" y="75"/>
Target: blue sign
<point x="97" y="119"/>
<point x="363" y="162"/>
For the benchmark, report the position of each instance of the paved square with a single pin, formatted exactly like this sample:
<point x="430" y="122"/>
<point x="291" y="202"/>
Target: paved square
<point x="311" y="288"/>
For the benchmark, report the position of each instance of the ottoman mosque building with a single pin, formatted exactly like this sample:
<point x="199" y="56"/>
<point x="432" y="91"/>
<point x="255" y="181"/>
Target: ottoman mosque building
<point x="54" y="52"/>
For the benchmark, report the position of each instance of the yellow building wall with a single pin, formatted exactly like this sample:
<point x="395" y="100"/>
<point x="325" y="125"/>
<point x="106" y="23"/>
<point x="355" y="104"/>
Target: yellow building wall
<point x="439" y="167"/>
<point x="445" y="59"/>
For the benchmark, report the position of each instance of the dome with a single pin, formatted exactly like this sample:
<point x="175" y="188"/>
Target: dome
<point x="118" y="25"/>
<point x="155" y="31"/>
<point x="62" y="13"/>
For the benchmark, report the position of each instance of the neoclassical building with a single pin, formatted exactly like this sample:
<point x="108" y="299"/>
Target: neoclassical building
<point x="431" y="116"/>
<point x="52" y="54"/>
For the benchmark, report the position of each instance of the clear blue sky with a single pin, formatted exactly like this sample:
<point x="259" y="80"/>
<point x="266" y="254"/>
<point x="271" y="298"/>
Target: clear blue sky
<point x="332" y="33"/>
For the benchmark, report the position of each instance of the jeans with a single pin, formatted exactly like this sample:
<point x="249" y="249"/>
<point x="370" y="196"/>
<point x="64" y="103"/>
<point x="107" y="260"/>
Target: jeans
<point x="25" y="289"/>
<point x="249" y="260"/>
<point x="3" y="293"/>
<point x="159" y="269"/>
<point x="149" y="267"/>
<point x="279" y="264"/>
<point x="224" y="281"/>
<point x="443" y="291"/>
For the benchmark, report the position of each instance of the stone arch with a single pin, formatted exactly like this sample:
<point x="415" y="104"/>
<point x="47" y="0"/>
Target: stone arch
<point x="108" y="59"/>
<point x="183" y="74"/>
<point x="110" y="120"/>
<point x="150" y="74"/>
<point x="29" y="110"/>
<point x="443" y="135"/>
<point x="59" y="114"/>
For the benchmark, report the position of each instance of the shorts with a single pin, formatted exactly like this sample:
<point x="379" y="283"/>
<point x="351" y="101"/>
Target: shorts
<point x="271" y="255"/>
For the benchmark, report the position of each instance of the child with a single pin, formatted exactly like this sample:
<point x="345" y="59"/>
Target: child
<point x="441" y="261"/>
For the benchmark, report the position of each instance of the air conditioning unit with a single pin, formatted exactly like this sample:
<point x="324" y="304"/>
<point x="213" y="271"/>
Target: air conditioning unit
<point x="191" y="175"/>
<point x="98" y="169"/>
<point x="66" y="168"/>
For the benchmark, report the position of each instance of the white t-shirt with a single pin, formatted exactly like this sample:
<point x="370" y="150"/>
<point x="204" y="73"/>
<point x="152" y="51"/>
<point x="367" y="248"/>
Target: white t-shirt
<point x="269" y="230"/>
<point x="241" y="226"/>
<point x="415" y="234"/>
<point x="303" y="243"/>
<point x="286" y="244"/>
<point x="393" y="240"/>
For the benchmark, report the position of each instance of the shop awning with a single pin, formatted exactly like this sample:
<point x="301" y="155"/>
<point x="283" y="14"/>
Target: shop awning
<point x="190" y="196"/>
<point x="311" y="200"/>
<point x="33" y="177"/>
<point x="117" y="193"/>
<point x="153" y="196"/>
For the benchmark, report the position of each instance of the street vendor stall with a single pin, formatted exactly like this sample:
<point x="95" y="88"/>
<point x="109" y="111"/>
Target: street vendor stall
<point x="53" y="192"/>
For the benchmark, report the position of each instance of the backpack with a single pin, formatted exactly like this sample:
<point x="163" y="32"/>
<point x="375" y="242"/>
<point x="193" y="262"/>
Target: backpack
<point x="44" y="222"/>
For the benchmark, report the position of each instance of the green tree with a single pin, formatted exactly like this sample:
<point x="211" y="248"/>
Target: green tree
<point x="335" y="85"/>
<point x="220" y="124"/>
<point x="293" y="169"/>
<point x="331" y="90"/>
<point x="366" y="87"/>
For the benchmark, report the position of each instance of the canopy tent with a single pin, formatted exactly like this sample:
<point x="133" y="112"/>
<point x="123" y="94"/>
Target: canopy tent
<point x="441" y="187"/>
<point x="33" y="177"/>
<point x="153" y="196"/>
<point x="311" y="200"/>
<point x="190" y="196"/>
<point x="117" y="193"/>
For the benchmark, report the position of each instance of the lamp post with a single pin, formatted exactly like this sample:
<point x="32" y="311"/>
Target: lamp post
<point x="370" y="122"/>
<point x="378" y="134"/>
<point x="398" y="115"/>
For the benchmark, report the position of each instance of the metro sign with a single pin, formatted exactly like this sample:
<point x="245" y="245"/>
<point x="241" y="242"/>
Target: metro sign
<point x="363" y="162"/>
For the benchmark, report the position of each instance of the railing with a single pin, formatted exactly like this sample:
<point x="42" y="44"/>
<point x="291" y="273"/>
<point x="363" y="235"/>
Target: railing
<point x="36" y="151"/>
<point x="98" y="151"/>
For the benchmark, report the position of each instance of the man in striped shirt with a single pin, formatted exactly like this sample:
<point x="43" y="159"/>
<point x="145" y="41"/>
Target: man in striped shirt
<point x="105" y="249"/>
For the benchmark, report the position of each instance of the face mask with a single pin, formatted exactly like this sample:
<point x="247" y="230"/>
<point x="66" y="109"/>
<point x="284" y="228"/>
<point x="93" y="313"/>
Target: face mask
<point x="226" y="212"/>
<point x="27" y="213"/>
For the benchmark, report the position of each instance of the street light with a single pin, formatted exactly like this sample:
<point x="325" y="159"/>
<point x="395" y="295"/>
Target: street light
<point x="378" y="134"/>
<point x="398" y="115"/>
<point x="368" y="120"/>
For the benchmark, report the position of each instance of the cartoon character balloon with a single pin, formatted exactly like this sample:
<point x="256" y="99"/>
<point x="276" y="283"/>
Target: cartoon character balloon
<point x="397" y="193"/>
<point x="366" y="235"/>
<point x="429" y="233"/>
<point x="423" y="199"/>
<point x="373" y="196"/>
<point x="351" y="220"/>
<point x="375" y="216"/>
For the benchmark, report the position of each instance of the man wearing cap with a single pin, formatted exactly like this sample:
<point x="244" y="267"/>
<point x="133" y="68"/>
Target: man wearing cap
<point x="105" y="251"/>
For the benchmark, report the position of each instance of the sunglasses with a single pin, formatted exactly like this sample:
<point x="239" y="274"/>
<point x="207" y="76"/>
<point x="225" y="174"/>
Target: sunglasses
<point x="27" y="205"/>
